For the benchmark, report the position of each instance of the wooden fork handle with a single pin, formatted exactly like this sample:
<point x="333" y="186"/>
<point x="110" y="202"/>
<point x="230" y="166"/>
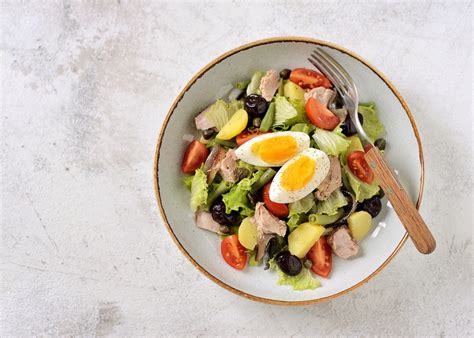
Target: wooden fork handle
<point x="401" y="203"/>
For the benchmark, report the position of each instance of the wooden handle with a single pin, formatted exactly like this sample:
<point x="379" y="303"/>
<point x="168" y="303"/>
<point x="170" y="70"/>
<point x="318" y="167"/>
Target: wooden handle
<point x="403" y="206"/>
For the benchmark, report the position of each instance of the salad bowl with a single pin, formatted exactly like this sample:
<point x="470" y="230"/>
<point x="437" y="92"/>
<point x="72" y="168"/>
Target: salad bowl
<point x="404" y="152"/>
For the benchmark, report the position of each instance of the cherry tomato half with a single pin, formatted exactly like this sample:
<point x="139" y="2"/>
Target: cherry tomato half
<point x="359" y="167"/>
<point x="277" y="209"/>
<point x="195" y="154"/>
<point x="307" y="78"/>
<point x="233" y="252"/>
<point x="321" y="256"/>
<point x="320" y="116"/>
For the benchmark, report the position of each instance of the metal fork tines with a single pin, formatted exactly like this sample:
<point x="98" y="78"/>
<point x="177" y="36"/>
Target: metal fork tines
<point x="343" y="83"/>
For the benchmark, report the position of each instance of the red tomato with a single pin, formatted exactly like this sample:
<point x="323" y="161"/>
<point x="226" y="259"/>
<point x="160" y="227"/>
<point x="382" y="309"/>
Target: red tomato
<point x="233" y="252"/>
<point x="195" y="154"/>
<point x="320" y="116"/>
<point x="307" y="78"/>
<point x="247" y="135"/>
<point x="277" y="209"/>
<point x="359" y="167"/>
<point x="321" y="256"/>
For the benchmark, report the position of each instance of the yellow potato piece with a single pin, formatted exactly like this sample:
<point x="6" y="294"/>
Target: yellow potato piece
<point x="235" y="126"/>
<point x="248" y="233"/>
<point x="360" y="223"/>
<point x="292" y="91"/>
<point x="303" y="238"/>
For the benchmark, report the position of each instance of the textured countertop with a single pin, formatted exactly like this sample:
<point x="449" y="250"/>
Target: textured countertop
<point x="85" y="88"/>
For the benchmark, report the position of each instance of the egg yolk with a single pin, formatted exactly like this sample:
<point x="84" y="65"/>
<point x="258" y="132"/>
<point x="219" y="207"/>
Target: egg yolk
<point x="276" y="150"/>
<point x="298" y="173"/>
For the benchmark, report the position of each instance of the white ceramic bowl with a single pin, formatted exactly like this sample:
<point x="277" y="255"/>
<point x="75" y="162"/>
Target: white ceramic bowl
<point x="202" y="248"/>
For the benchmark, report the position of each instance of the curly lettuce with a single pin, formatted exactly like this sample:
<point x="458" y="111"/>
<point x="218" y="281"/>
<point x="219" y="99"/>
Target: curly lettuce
<point x="373" y="127"/>
<point x="303" y="205"/>
<point x="220" y="112"/>
<point x="288" y="113"/>
<point x="302" y="281"/>
<point x="199" y="190"/>
<point x="331" y="142"/>
<point x="331" y="205"/>
<point x="236" y="199"/>
<point x="361" y="190"/>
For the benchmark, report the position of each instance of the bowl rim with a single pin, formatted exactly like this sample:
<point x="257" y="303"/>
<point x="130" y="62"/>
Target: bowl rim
<point x="198" y="75"/>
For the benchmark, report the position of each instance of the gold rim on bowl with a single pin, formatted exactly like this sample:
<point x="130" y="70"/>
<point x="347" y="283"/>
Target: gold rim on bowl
<point x="201" y="73"/>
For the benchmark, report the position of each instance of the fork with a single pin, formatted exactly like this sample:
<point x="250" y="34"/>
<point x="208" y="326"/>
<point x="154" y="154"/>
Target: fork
<point x="396" y="194"/>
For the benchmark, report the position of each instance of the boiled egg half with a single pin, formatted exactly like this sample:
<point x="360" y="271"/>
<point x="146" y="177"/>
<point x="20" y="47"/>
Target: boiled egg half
<point x="299" y="176"/>
<point x="273" y="149"/>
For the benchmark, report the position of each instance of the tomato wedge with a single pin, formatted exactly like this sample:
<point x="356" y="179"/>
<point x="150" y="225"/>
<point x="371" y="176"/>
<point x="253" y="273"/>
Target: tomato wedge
<point x="320" y="116"/>
<point x="359" y="167"/>
<point x="195" y="154"/>
<point x="233" y="252"/>
<point x="321" y="256"/>
<point x="247" y="135"/>
<point x="307" y="78"/>
<point x="277" y="209"/>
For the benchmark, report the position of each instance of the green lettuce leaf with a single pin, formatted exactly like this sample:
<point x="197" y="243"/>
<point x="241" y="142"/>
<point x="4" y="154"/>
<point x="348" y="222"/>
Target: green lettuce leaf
<point x="361" y="190"/>
<point x="302" y="281"/>
<point x="372" y="125"/>
<point x="188" y="181"/>
<point x="331" y="205"/>
<point x="331" y="142"/>
<point x="303" y="127"/>
<point x="221" y="112"/>
<point x="199" y="190"/>
<point x="236" y="199"/>
<point x="295" y="220"/>
<point x="302" y="206"/>
<point x="288" y="114"/>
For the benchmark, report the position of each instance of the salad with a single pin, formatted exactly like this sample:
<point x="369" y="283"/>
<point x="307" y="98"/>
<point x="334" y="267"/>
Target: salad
<point x="278" y="172"/>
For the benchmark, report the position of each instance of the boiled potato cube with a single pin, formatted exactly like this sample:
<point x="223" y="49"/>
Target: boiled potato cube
<point x="303" y="238"/>
<point x="293" y="92"/>
<point x="236" y="124"/>
<point x="248" y="233"/>
<point x="360" y="223"/>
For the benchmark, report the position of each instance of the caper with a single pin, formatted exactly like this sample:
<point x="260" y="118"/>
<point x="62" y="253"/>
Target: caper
<point x="256" y="122"/>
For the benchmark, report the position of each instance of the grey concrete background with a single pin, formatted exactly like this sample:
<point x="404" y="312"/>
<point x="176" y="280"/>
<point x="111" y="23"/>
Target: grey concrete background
<point x="85" y="88"/>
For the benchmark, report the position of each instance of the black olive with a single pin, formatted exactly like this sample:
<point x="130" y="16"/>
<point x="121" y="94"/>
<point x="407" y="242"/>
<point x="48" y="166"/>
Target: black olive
<point x="289" y="264"/>
<point x="381" y="193"/>
<point x="207" y="134"/>
<point x="255" y="105"/>
<point x="256" y="122"/>
<point x="372" y="206"/>
<point x="220" y="216"/>
<point x="285" y="73"/>
<point x="348" y="127"/>
<point x="380" y="143"/>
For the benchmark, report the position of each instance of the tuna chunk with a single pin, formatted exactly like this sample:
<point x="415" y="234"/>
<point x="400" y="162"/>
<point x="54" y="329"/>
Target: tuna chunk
<point x="332" y="181"/>
<point x="202" y="122"/>
<point x="269" y="84"/>
<point x="229" y="167"/>
<point x="213" y="162"/>
<point x="323" y="95"/>
<point x="267" y="226"/>
<point x="342" y="243"/>
<point x="205" y="221"/>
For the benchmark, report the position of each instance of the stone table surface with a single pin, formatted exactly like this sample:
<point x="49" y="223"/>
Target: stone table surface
<point x="85" y="87"/>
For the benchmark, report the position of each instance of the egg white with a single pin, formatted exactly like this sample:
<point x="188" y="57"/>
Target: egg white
<point x="244" y="152"/>
<point x="280" y="195"/>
